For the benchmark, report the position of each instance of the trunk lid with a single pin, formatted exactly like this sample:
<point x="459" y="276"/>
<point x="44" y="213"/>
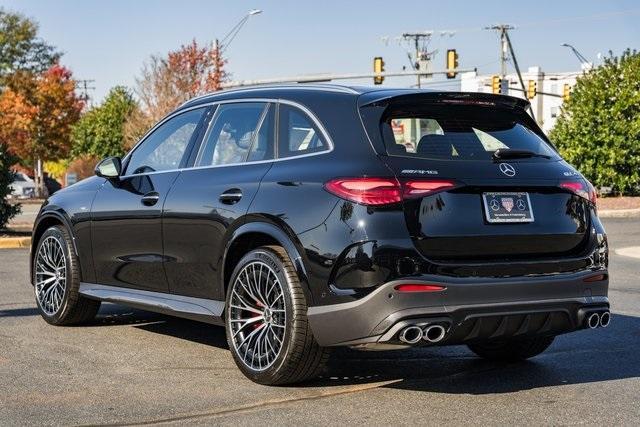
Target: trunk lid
<point x="425" y="138"/>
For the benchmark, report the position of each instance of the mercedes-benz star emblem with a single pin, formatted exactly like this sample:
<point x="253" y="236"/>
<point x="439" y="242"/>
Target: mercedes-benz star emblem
<point x="494" y="205"/>
<point x="507" y="169"/>
<point x="521" y="205"/>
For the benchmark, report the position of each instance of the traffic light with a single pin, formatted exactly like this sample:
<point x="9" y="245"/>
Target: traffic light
<point x="531" y="89"/>
<point x="452" y="63"/>
<point x="566" y="92"/>
<point x="378" y="67"/>
<point x="496" y="83"/>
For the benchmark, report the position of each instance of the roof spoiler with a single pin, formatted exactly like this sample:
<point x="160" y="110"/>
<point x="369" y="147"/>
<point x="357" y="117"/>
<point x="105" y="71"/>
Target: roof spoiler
<point x="451" y="98"/>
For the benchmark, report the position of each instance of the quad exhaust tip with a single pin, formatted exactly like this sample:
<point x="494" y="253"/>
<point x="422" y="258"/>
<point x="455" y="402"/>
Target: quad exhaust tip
<point x="411" y="334"/>
<point x="605" y="319"/>
<point x="593" y="321"/>
<point x="434" y="333"/>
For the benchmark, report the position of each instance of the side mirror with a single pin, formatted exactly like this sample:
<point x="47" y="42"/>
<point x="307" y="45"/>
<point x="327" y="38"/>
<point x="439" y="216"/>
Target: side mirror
<point x="109" y="168"/>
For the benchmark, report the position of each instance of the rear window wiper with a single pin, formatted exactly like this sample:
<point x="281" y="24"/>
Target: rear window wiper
<point x="511" y="153"/>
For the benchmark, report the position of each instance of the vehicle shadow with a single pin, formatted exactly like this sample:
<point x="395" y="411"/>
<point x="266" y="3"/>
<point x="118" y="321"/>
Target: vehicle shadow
<point x="19" y="312"/>
<point x="201" y="333"/>
<point x="582" y="357"/>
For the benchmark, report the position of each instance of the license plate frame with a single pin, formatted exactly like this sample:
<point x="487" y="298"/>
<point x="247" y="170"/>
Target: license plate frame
<point x="505" y="207"/>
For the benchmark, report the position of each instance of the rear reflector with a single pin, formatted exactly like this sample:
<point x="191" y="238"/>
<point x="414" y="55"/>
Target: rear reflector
<point x="595" y="278"/>
<point x="417" y="287"/>
<point x="383" y="191"/>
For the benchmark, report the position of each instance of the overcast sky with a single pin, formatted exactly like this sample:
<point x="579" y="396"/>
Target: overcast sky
<point x="109" y="40"/>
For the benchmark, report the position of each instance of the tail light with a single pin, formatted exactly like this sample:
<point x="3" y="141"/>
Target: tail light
<point x="581" y="188"/>
<point x="423" y="188"/>
<point x="366" y="191"/>
<point x="383" y="191"/>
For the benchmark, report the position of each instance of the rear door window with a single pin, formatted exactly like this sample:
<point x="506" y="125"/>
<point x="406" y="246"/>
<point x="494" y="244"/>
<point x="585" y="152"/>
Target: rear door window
<point x="239" y="132"/>
<point x="459" y="133"/>
<point x="298" y="134"/>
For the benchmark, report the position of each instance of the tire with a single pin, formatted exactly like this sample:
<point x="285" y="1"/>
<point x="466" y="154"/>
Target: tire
<point x="512" y="350"/>
<point x="275" y="328"/>
<point x="56" y="279"/>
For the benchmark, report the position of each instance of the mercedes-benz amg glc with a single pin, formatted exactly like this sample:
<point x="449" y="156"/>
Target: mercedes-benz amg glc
<point x="307" y="217"/>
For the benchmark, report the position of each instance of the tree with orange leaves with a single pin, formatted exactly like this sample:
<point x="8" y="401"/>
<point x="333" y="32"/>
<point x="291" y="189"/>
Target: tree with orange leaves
<point x="166" y="82"/>
<point x="38" y="112"/>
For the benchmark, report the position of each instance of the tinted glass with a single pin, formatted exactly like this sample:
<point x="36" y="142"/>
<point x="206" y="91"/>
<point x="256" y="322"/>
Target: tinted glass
<point x="298" y="134"/>
<point x="263" y="146"/>
<point x="232" y="134"/>
<point x="459" y="133"/>
<point x="165" y="147"/>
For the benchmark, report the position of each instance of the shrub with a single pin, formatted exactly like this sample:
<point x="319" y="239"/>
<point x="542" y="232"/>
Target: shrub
<point x="7" y="210"/>
<point x="598" y="130"/>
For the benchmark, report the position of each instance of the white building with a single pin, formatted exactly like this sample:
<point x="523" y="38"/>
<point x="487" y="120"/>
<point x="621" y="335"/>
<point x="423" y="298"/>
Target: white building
<point x="546" y="108"/>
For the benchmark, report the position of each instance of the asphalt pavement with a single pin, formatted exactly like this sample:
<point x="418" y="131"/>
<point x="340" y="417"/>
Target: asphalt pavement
<point x="134" y="367"/>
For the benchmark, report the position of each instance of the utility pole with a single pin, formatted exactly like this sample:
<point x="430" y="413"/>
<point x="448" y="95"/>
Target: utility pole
<point x="504" y="52"/>
<point x="420" y="42"/>
<point x="85" y="86"/>
<point x="506" y="48"/>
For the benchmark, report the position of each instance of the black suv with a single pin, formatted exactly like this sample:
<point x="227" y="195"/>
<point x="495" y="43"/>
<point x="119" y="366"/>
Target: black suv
<point x="306" y="217"/>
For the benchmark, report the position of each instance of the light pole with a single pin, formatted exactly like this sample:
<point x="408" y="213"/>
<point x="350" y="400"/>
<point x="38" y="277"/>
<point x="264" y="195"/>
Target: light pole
<point x="226" y="40"/>
<point x="583" y="61"/>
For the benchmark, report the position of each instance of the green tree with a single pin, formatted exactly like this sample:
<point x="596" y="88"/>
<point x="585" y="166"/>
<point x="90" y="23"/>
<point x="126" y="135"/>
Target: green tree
<point x="7" y="211"/>
<point x="21" y="48"/>
<point x="99" y="132"/>
<point x="598" y="130"/>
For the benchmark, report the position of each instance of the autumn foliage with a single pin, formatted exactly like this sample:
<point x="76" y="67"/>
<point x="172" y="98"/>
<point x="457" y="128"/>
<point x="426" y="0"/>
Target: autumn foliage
<point x="167" y="82"/>
<point x="37" y="113"/>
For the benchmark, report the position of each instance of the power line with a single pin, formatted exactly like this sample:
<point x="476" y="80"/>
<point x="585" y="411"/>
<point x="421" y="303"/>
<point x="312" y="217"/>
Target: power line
<point x="547" y="21"/>
<point x="579" y="18"/>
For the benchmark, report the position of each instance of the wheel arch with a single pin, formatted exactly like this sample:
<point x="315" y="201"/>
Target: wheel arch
<point x="253" y="235"/>
<point x="44" y="221"/>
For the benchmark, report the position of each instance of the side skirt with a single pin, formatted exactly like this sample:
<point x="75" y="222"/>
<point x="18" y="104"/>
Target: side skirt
<point x="200" y="309"/>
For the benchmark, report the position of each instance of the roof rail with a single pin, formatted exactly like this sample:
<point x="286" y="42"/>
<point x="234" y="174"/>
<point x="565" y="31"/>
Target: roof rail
<point x="302" y="86"/>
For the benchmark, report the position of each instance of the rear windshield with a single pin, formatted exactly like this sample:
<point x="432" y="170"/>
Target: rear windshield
<point x="459" y="133"/>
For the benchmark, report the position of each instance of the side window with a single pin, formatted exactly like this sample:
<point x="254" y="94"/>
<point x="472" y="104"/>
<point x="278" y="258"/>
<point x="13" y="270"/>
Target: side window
<point x="238" y="132"/>
<point x="165" y="147"/>
<point x="298" y="134"/>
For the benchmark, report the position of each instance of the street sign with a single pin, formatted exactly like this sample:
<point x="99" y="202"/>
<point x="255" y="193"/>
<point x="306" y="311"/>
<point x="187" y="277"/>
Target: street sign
<point x="71" y="178"/>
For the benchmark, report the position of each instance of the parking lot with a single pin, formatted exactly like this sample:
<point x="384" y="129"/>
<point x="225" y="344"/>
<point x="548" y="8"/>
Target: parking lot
<point x="134" y="367"/>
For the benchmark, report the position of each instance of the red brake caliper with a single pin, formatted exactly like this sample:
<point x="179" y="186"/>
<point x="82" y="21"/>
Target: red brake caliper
<point x="256" y="325"/>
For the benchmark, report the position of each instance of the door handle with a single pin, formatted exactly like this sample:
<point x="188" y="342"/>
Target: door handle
<point x="150" y="199"/>
<point x="231" y="196"/>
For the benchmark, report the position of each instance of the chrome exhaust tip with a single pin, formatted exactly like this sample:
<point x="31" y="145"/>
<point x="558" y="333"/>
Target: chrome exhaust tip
<point x="434" y="333"/>
<point x="605" y="319"/>
<point x="411" y="335"/>
<point x="593" y="321"/>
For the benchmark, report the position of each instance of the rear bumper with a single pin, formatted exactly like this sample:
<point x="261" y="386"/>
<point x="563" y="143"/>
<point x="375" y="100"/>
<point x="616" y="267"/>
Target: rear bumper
<point x="474" y="309"/>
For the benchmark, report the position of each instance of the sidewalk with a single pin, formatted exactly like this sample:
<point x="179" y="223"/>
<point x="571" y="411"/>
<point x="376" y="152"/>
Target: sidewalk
<point x="619" y="207"/>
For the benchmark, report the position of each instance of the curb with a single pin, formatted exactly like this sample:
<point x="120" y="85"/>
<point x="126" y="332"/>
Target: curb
<point x="619" y="213"/>
<point x="15" y="242"/>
